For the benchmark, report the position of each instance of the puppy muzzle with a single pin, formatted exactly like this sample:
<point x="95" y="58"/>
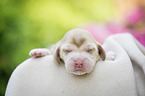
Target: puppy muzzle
<point x="79" y="66"/>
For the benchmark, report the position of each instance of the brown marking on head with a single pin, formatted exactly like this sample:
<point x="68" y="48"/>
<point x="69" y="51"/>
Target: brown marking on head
<point x="78" y="42"/>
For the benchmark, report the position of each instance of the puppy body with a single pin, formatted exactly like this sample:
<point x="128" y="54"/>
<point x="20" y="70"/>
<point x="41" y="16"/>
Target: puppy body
<point x="78" y="50"/>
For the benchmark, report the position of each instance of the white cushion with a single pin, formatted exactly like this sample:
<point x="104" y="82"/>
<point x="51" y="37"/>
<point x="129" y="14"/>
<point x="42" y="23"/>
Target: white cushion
<point x="42" y="77"/>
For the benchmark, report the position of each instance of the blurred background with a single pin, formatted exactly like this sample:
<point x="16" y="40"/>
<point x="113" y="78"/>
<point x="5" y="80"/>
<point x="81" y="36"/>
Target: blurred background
<point x="29" y="24"/>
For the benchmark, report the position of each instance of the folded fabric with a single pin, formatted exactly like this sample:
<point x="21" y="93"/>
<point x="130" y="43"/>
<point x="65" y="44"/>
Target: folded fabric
<point x="123" y="76"/>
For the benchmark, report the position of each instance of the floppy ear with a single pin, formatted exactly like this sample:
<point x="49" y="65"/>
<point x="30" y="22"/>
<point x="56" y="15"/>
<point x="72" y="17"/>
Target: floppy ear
<point x="56" y="56"/>
<point x="101" y="52"/>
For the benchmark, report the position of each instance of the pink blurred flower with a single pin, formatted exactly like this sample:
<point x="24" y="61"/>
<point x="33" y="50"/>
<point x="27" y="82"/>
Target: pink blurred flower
<point x="135" y="24"/>
<point x="101" y="31"/>
<point x="136" y="16"/>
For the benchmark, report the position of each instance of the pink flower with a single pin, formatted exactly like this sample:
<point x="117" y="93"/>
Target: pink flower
<point x="101" y="31"/>
<point x="136" y="16"/>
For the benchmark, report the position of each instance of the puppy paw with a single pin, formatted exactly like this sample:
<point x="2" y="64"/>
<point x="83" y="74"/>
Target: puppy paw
<point x="39" y="52"/>
<point x="110" y="55"/>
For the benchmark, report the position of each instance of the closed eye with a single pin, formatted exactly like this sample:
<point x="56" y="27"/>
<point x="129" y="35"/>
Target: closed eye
<point x="90" y="50"/>
<point x="67" y="50"/>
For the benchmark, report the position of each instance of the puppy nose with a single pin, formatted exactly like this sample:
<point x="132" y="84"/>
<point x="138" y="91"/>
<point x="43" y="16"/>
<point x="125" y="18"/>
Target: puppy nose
<point x="78" y="64"/>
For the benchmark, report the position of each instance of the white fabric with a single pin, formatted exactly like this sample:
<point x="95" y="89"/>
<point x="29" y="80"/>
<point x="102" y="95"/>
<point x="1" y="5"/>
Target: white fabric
<point x="121" y="77"/>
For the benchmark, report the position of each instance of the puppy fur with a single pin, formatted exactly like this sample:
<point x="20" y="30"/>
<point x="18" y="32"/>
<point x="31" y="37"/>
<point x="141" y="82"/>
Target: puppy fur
<point x="77" y="50"/>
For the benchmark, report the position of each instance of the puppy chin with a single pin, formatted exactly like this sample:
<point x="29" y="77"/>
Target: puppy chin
<point x="79" y="72"/>
<point x="76" y="72"/>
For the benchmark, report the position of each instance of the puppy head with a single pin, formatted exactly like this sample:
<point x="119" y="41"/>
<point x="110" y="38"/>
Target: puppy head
<point x="79" y="52"/>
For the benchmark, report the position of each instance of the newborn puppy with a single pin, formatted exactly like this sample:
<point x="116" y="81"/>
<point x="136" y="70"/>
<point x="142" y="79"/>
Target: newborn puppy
<point x="78" y="50"/>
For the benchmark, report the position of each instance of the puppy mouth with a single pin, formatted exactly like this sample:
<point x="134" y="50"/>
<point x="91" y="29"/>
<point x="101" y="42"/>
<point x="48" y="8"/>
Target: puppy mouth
<point x="79" y="71"/>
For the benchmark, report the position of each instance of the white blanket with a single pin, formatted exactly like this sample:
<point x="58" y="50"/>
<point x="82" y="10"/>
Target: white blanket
<point x="122" y="77"/>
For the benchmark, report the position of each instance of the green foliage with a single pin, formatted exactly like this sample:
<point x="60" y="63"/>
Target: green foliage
<point x="28" y="24"/>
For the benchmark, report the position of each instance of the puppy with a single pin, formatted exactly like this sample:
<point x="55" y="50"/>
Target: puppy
<point x="77" y="50"/>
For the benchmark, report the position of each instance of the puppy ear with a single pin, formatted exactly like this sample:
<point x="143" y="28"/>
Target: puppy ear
<point x="57" y="57"/>
<point x="101" y="52"/>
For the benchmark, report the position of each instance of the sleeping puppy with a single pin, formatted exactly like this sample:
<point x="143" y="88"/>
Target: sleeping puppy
<point x="78" y="50"/>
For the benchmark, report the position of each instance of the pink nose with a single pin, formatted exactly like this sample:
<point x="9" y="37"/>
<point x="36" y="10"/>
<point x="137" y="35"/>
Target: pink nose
<point x="78" y="62"/>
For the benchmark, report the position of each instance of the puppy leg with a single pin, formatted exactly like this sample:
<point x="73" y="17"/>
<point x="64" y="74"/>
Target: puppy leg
<point x="39" y="52"/>
<point x="110" y="56"/>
